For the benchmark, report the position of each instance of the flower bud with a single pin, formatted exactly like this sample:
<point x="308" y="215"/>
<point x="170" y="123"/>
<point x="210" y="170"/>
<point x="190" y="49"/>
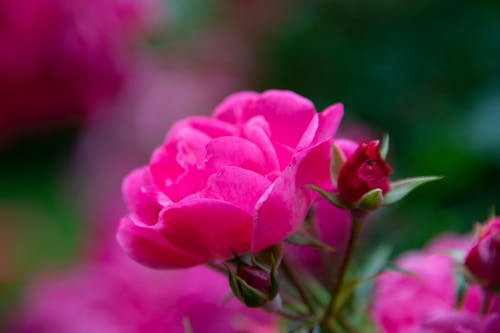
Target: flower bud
<point x="253" y="285"/>
<point x="365" y="170"/>
<point x="483" y="260"/>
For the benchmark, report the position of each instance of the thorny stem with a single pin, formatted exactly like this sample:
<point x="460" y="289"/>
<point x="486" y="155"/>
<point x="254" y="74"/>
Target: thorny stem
<point x="292" y="277"/>
<point x="337" y="283"/>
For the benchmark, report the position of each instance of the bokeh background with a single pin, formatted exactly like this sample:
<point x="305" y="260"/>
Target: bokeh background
<point x="89" y="88"/>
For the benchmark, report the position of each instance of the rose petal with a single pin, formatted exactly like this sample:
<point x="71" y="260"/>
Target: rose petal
<point x="138" y="201"/>
<point x="235" y="151"/>
<point x="211" y="127"/>
<point x="288" y="115"/>
<point x="208" y="228"/>
<point x="238" y="186"/>
<point x="147" y="246"/>
<point x="231" y="108"/>
<point x="329" y="121"/>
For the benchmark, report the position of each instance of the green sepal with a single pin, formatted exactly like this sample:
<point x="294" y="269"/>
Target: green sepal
<point x="302" y="238"/>
<point x="232" y="283"/>
<point x="275" y="283"/>
<point x="336" y="162"/>
<point x="269" y="257"/>
<point x="371" y="200"/>
<point x="332" y="198"/>
<point x="384" y="146"/>
<point x="250" y="296"/>
<point x="400" y="188"/>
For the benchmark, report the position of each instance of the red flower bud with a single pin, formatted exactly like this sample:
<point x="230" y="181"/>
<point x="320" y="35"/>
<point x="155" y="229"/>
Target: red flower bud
<point x="257" y="278"/>
<point x="483" y="260"/>
<point x="363" y="171"/>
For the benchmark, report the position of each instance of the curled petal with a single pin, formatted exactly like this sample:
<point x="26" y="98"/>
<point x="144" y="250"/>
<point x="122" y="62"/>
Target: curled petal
<point x="208" y="228"/>
<point x="283" y="207"/>
<point x="148" y="247"/>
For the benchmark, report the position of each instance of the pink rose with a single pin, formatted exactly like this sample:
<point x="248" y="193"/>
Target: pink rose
<point x="117" y="295"/>
<point x="402" y="302"/>
<point x="461" y="322"/>
<point x="362" y="172"/>
<point x="232" y="182"/>
<point x="452" y="322"/>
<point x="483" y="260"/>
<point x="59" y="60"/>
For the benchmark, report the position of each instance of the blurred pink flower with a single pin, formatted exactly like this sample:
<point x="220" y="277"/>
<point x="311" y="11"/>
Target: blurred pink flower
<point x="452" y="322"/>
<point x="60" y="59"/>
<point x="402" y="302"/>
<point x="461" y="322"/>
<point x="116" y="295"/>
<point x="483" y="260"/>
<point x="233" y="182"/>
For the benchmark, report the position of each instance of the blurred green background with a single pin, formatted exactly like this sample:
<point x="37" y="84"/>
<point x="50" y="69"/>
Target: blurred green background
<point x="426" y="72"/>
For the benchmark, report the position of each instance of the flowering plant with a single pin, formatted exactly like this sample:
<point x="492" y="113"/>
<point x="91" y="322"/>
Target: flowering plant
<point x="245" y="192"/>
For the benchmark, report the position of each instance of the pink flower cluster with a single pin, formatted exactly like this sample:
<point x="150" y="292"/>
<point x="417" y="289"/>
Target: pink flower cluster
<point x="230" y="183"/>
<point x="425" y="300"/>
<point x="116" y="295"/>
<point x="58" y="59"/>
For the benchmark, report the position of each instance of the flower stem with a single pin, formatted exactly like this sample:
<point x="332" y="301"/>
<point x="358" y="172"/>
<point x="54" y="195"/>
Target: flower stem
<point x="294" y="280"/>
<point x="485" y="304"/>
<point x="337" y="283"/>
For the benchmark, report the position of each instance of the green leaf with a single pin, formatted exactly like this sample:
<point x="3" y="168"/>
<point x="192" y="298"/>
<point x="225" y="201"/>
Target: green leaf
<point x="384" y="146"/>
<point x="331" y="197"/>
<point x="400" y="188"/>
<point x="338" y="159"/>
<point x="371" y="200"/>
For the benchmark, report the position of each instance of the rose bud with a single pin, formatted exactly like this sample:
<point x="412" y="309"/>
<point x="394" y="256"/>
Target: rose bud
<point x="483" y="260"/>
<point x="363" y="172"/>
<point x="253" y="285"/>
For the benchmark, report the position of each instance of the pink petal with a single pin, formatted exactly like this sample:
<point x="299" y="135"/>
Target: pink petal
<point x="235" y="151"/>
<point x="231" y="108"/>
<point x="348" y="147"/>
<point x="283" y="207"/>
<point x="237" y="186"/>
<point x="208" y="228"/>
<point x="329" y="121"/>
<point x="288" y="115"/>
<point x="212" y="127"/>
<point x="142" y="204"/>
<point x="256" y="130"/>
<point x="147" y="246"/>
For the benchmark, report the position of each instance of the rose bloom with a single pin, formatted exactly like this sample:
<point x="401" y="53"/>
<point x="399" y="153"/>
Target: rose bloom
<point x="483" y="260"/>
<point x="116" y="295"/>
<point x="230" y="183"/>
<point x="60" y="59"/>
<point x="402" y="302"/>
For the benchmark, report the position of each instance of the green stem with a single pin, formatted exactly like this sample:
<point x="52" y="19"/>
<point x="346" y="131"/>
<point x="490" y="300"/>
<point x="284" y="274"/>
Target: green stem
<point x="337" y="283"/>
<point x="294" y="280"/>
<point x="485" y="304"/>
